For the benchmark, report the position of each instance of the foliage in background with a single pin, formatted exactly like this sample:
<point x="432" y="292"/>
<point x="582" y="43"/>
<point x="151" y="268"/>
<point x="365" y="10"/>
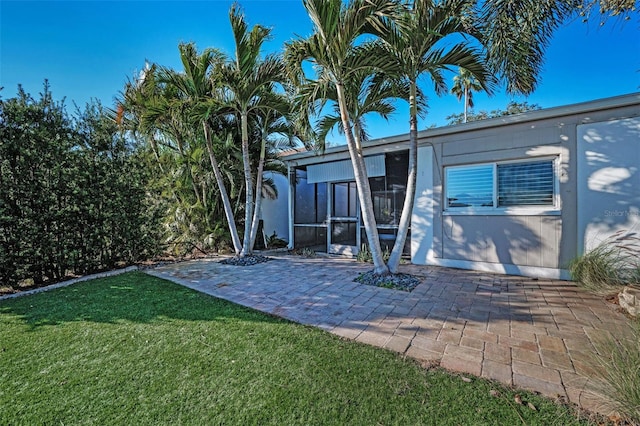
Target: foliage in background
<point x="364" y="254"/>
<point x="511" y="109"/>
<point x="464" y="84"/>
<point x="610" y="265"/>
<point x="273" y="241"/>
<point x="73" y="196"/>
<point x="206" y="152"/>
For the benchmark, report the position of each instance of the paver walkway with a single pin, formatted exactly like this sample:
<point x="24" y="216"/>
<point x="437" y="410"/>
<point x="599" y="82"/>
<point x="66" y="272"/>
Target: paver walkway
<point x="533" y="334"/>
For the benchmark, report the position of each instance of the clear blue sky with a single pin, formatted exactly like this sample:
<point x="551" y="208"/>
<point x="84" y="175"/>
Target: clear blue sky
<point x="88" y="49"/>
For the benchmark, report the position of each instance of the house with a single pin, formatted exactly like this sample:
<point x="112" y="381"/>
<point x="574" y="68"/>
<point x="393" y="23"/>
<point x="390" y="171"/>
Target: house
<point x="521" y="194"/>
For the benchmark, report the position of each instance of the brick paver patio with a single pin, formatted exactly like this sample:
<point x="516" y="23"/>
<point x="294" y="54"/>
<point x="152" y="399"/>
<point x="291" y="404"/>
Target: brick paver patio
<point x="535" y="334"/>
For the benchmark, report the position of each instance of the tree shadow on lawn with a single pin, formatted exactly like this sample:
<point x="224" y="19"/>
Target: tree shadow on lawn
<point x="131" y="297"/>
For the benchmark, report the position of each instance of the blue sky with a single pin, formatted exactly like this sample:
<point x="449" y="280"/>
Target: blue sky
<point x="88" y="49"/>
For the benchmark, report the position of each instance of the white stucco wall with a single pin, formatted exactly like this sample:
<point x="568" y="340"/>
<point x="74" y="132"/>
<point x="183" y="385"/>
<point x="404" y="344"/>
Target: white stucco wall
<point x="422" y="217"/>
<point x="608" y="158"/>
<point x="275" y="214"/>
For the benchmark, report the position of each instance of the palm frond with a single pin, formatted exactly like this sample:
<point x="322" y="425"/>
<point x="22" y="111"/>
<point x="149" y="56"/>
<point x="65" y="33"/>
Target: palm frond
<point x="517" y="34"/>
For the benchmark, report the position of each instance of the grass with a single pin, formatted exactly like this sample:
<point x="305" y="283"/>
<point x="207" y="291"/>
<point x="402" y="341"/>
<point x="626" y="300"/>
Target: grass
<point x="134" y="349"/>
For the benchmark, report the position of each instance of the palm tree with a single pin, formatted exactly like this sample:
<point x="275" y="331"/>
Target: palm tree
<point x="248" y="83"/>
<point x="196" y="92"/>
<point x="152" y="111"/>
<point x="366" y="93"/>
<point x="336" y="56"/>
<point x="412" y="46"/>
<point x="464" y="84"/>
<point x="269" y="123"/>
<point x="161" y="105"/>
<point x="516" y="33"/>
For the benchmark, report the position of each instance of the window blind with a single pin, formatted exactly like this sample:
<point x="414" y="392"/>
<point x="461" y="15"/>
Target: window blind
<point x="470" y="186"/>
<point x="525" y="184"/>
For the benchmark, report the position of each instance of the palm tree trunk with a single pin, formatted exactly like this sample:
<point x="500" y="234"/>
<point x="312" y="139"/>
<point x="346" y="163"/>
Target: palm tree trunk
<point x="407" y="208"/>
<point x="226" y="203"/>
<point x="248" y="213"/>
<point x="466" y="102"/>
<point x="239" y="202"/>
<point x="258" y="205"/>
<point x="362" y="184"/>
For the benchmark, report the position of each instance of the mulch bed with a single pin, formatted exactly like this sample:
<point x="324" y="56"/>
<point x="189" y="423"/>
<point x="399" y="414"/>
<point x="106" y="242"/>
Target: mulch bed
<point x="404" y="282"/>
<point x="249" y="260"/>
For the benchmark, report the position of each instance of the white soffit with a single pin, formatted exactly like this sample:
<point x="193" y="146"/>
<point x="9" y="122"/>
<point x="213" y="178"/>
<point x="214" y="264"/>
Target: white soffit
<point x="341" y="171"/>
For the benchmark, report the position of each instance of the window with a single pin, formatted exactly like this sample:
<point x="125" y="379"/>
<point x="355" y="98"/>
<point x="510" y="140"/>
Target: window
<point x="470" y="186"/>
<point x="501" y="185"/>
<point x="525" y="184"/>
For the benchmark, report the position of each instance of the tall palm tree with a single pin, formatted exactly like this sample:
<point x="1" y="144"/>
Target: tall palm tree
<point x="464" y="84"/>
<point x="336" y="56"/>
<point x="247" y="81"/>
<point x="366" y="94"/>
<point x="196" y="90"/>
<point x="412" y="44"/>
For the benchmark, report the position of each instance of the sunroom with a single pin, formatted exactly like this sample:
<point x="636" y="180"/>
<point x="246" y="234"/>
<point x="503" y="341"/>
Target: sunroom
<point x="326" y="210"/>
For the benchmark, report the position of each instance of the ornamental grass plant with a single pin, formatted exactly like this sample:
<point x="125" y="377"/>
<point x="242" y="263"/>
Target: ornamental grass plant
<point x="612" y="264"/>
<point x="618" y="373"/>
<point x="606" y="269"/>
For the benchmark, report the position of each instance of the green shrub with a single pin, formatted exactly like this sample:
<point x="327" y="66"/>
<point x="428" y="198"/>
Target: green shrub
<point x="74" y="197"/>
<point x="307" y="252"/>
<point x="610" y="265"/>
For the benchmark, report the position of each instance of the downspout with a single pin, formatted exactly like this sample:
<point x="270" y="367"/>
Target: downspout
<point x="290" y="206"/>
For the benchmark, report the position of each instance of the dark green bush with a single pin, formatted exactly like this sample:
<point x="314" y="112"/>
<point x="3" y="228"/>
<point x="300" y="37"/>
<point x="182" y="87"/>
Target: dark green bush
<point x="73" y="192"/>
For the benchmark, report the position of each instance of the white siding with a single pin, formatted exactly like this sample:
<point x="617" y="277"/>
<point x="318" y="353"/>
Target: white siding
<point x="422" y="217"/>
<point x="275" y="214"/>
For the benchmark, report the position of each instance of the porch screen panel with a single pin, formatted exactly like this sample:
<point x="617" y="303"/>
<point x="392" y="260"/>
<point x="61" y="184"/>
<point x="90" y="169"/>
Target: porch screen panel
<point x="311" y="200"/>
<point x="305" y="209"/>
<point x="310" y="212"/>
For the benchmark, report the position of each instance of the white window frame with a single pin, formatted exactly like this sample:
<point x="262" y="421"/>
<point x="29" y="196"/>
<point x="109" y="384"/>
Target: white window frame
<point x="523" y="210"/>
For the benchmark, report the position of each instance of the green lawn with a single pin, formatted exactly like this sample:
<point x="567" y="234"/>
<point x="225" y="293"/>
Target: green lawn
<point x="134" y="349"/>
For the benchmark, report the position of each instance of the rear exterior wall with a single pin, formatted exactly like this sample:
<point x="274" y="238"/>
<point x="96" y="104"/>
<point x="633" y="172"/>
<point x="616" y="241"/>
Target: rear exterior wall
<point x="521" y="237"/>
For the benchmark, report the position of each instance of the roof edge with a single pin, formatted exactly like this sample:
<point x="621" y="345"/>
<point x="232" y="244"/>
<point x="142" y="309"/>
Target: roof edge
<point x="620" y="101"/>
